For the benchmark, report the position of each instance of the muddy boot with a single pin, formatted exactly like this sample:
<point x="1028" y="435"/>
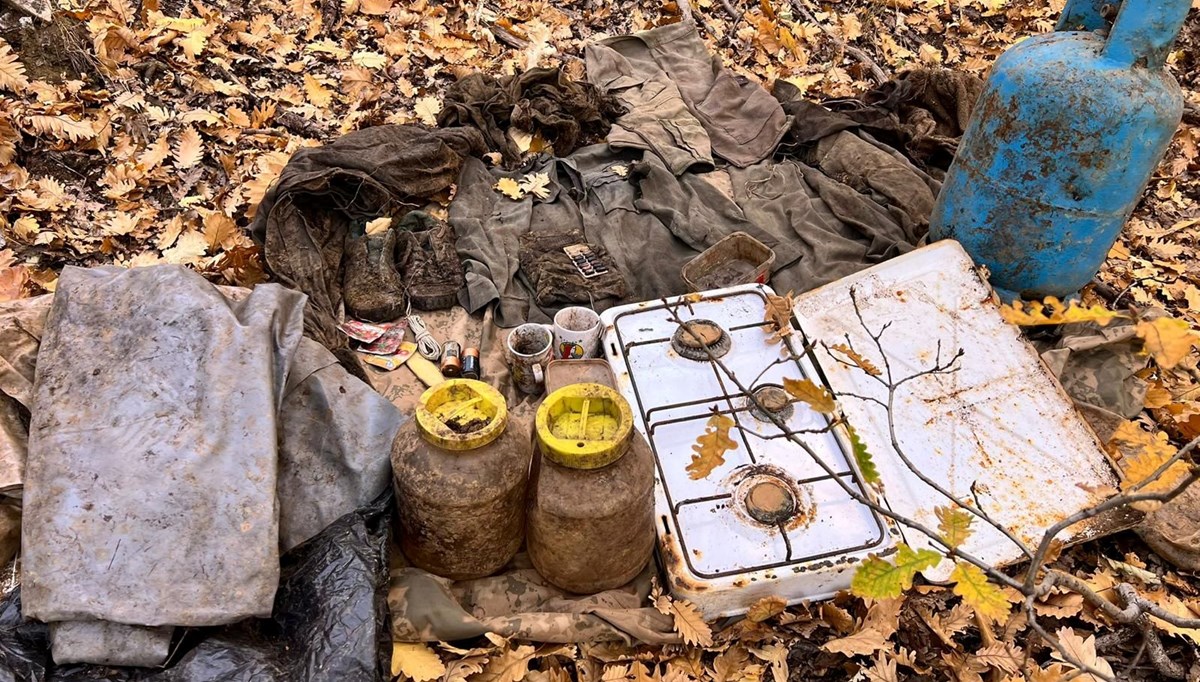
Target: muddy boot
<point x="429" y="262"/>
<point x="371" y="287"/>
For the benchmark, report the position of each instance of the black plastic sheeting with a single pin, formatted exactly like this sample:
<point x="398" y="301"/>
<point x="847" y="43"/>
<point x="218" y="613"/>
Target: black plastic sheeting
<point x="329" y="622"/>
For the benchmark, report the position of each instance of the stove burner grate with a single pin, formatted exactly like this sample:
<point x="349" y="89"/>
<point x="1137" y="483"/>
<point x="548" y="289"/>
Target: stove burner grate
<point x="696" y="339"/>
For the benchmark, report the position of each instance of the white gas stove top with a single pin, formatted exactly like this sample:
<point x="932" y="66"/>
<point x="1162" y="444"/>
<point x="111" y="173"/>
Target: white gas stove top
<point x="721" y="546"/>
<point x="998" y="432"/>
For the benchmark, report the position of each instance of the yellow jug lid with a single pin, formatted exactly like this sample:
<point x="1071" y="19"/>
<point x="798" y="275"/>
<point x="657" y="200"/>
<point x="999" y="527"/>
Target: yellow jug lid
<point x="461" y="414"/>
<point x="584" y="426"/>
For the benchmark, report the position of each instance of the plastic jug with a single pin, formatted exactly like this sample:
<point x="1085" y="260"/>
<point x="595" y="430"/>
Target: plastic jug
<point x="591" y="497"/>
<point x="460" y="474"/>
<point x="1061" y="144"/>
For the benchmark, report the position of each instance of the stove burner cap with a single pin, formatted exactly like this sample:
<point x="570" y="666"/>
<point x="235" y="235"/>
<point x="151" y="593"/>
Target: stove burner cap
<point x="694" y="340"/>
<point x="772" y="400"/>
<point x="770" y="502"/>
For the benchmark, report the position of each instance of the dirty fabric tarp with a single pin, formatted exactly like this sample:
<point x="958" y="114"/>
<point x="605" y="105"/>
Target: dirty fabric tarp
<point x="565" y="112"/>
<point x="304" y="220"/>
<point x="519" y="603"/>
<point x="329" y="622"/>
<point x="333" y="437"/>
<point x="652" y="222"/>
<point x="654" y="72"/>
<point x="831" y="205"/>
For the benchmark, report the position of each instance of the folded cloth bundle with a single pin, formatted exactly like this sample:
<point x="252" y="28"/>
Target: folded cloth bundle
<point x="554" y="278"/>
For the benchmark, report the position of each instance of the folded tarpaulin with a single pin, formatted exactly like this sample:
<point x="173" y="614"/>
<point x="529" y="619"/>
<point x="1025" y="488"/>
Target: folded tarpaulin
<point x="196" y="360"/>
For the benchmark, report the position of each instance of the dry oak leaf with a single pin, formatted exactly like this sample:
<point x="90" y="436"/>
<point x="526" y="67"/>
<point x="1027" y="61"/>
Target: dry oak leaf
<point x="189" y="249"/>
<point x="1150" y="451"/>
<point x="369" y="60"/>
<point x="509" y="188"/>
<point x="375" y="7"/>
<point x="427" y="110"/>
<point x="1076" y="649"/>
<point x="972" y="585"/>
<point x="688" y="622"/>
<point x="1169" y="340"/>
<point x="954" y="523"/>
<point x="883" y="669"/>
<point x="1054" y="311"/>
<point x="26" y="228"/>
<point x="779" y="314"/>
<point x="512" y="665"/>
<point x="710" y="448"/>
<point x="12" y="71"/>
<point x="416" y="661"/>
<point x="856" y="359"/>
<point x="1000" y="656"/>
<point x="189" y="148"/>
<point x="378" y="225"/>
<point x="318" y="95"/>
<point x="776" y="656"/>
<point x="816" y="397"/>
<point x="61" y="127"/>
<point x="734" y="666"/>
<point x="765" y="609"/>
<point x="537" y="184"/>
<point x="881" y="622"/>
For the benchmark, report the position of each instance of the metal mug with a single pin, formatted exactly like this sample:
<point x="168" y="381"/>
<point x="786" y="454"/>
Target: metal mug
<point x="530" y="348"/>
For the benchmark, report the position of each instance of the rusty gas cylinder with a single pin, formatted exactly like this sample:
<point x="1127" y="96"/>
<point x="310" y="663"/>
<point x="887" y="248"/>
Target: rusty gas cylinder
<point x="460" y="473"/>
<point x="591" y="499"/>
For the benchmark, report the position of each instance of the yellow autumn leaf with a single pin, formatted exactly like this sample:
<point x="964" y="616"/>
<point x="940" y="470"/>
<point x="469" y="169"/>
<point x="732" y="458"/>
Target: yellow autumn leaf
<point x="427" y="109"/>
<point x="688" y="622"/>
<point x="972" y="585"/>
<point x="1054" y="311"/>
<point x="765" y="609"/>
<point x="710" y="448"/>
<point x="880" y="579"/>
<point x="189" y="148"/>
<point x="370" y="60"/>
<point x="1145" y="453"/>
<point x="954" y="524"/>
<point x="856" y="359"/>
<point x="509" y="188"/>
<point x="1168" y="340"/>
<point x="816" y="397"/>
<point x="417" y="661"/>
<point x="318" y="95"/>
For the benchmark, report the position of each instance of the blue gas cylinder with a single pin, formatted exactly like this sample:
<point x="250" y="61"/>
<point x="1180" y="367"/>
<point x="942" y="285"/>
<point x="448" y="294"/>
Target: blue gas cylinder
<point x="1061" y="145"/>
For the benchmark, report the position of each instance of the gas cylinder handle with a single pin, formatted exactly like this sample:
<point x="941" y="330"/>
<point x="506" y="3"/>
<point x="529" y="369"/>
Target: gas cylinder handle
<point x="1144" y="32"/>
<point x="1087" y="15"/>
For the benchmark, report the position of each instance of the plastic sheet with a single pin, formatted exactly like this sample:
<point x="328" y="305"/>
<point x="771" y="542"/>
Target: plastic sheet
<point x="328" y="623"/>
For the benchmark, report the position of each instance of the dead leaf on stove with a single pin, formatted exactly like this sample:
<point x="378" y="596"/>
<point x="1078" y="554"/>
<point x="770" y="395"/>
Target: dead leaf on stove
<point x="856" y="359"/>
<point x="688" y="622"/>
<point x="765" y="609"/>
<point x="1167" y="339"/>
<point x="417" y="661"/>
<point x="954" y="523"/>
<point x="779" y="314"/>
<point x="710" y="448"/>
<point x="510" y="188"/>
<point x="816" y="397"/>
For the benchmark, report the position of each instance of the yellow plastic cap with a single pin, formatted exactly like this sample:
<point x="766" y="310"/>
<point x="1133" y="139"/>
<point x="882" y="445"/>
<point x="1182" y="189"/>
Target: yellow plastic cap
<point x="584" y="426"/>
<point x="461" y="414"/>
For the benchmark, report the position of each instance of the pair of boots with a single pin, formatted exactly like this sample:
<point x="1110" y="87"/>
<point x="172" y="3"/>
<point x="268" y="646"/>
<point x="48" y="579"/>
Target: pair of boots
<point x="414" y="263"/>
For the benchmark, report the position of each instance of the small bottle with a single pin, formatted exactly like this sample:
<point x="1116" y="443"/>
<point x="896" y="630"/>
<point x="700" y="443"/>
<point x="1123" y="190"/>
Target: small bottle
<point x="470" y="364"/>
<point x="451" y="359"/>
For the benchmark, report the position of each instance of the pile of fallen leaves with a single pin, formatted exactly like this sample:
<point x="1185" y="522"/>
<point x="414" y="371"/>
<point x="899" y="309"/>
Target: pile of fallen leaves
<point x="138" y="133"/>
